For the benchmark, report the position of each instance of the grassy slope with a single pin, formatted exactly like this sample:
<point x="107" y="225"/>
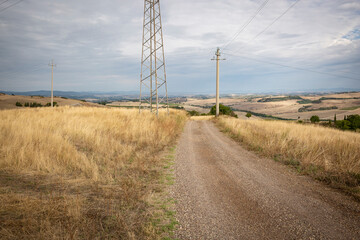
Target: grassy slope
<point x="9" y="101"/>
<point x="326" y="154"/>
<point x="81" y="173"/>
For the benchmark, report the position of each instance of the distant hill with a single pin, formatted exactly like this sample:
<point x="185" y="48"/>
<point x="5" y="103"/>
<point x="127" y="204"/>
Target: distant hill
<point x="134" y="95"/>
<point x="10" y="101"/>
<point x="80" y="95"/>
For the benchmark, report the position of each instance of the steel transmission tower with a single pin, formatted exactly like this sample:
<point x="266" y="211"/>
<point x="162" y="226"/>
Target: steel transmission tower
<point x="153" y="86"/>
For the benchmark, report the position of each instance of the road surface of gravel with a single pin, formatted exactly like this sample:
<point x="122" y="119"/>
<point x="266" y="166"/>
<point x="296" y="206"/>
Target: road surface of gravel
<point x="226" y="192"/>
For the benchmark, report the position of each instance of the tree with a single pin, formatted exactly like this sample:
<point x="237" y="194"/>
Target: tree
<point x="335" y="118"/>
<point x="18" y="104"/>
<point x="315" y="119"/>
<point x="354" y="121"/>
<point x="248" y="115"/>
<point x="344" y="124"/>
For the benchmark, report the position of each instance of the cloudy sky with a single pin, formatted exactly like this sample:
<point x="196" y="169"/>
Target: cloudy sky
<point x="97" y="44"/>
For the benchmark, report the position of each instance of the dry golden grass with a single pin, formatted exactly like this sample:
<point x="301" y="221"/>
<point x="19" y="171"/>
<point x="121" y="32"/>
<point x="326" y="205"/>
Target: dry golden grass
<point x="81" y="173"/>
<point x="327" y="154"/>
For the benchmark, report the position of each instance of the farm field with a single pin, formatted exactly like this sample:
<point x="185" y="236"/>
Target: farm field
<point x="325" y="106"/>
<point x="83" y="172"/>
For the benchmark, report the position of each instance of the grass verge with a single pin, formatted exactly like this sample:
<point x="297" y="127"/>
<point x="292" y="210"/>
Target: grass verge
<point x="164" y="215"/>
<point x="329" y="155"/>
<point x="82" y="173"/>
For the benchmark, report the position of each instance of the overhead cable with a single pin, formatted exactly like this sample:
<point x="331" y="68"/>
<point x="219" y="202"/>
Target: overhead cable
<point x="272" y="23"/>
<point x="246" y="24"/>
<point x="12" y="5"/>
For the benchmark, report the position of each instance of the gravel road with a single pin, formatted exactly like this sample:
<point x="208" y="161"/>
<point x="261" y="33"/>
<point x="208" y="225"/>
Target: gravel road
<point x="226" y="192"/>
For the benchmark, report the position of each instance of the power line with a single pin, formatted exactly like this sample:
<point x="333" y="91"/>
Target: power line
<point x="291" y="67"/>
<point x="272" y="23"/>
<point x="246" y="24"/>
<point x="12" y="5"/>
<point x="15" y="75"/>
<point x="4" y="2"/>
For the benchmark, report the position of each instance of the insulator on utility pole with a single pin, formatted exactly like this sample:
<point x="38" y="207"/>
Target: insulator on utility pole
<point x="153" y="85"/>
<point x="217" y="54"/>
<point x="52" y="65"/>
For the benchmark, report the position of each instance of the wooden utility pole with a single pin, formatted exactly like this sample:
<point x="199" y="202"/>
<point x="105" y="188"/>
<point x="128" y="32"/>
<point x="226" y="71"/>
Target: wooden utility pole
<point x="217" y="54"/>
<point x="52" y="65"/>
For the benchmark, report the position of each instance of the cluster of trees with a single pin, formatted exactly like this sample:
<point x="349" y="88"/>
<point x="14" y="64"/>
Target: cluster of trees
<point x="351" y="122"/>
<point x="34" y="104"/>
<point x="307" y="109"/>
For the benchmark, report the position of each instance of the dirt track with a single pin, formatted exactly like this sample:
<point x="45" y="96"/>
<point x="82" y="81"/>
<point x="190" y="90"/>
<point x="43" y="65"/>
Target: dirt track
<point x="226" y="192"/>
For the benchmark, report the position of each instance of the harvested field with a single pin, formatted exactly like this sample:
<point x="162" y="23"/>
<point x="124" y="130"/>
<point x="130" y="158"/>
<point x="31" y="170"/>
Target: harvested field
<point x="284" y="107"/>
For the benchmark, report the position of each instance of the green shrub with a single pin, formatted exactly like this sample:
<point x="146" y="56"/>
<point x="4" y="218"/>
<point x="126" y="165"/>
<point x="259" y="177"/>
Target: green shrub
<point x="18" y="104"/>
<point x="315" y="119"/>
<point x="49" y="104"/>
<point x="103" y="102"/>
<point x="194" y="113"/>
<point x="35" y="104"/>
<point x="223" y="110"/>
<point x="26" y="104"/>
<point x="248" y="115"/>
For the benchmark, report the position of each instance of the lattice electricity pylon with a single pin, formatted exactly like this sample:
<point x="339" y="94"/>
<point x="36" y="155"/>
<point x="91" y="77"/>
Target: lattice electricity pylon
<point x="153" y="86"/>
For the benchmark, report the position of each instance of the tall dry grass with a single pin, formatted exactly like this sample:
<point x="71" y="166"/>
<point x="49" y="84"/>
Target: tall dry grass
<point x="325" y="153"/>
<point x="81" y="172"/>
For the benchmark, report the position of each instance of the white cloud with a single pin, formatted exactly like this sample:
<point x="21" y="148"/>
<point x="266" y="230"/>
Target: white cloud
<point x="104" y="37"/>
